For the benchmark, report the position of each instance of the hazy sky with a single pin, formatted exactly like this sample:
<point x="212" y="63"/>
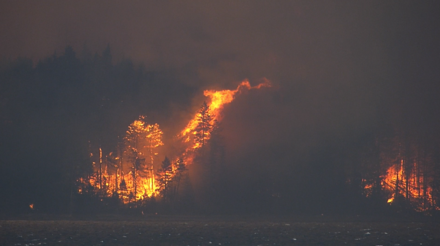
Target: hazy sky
<point x="335" y="64"/>
<point x="216" y="41"/>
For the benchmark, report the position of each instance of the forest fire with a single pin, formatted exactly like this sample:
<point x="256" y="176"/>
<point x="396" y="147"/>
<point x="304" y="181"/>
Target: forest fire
<point x="407" y="184"/>
<point x="129" y="175"/>
<point x="411" y="185"/>
<point x="133" y="174"/>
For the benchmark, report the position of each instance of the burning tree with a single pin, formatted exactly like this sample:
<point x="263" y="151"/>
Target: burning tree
<point x="154" y="140"/>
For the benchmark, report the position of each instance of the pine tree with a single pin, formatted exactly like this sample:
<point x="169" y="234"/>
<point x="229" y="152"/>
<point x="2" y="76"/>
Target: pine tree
<point x="153" y="140"/>
<point x="164" y="177"/>
<point x="204" y="126"/>
<point x="133" y="142"/>
<point x="180" y="169"/>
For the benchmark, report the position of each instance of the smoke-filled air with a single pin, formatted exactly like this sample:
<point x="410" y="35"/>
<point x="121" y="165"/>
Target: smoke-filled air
<point x="219" y="107"/>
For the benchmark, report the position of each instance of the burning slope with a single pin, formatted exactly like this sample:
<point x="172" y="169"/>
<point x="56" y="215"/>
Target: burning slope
<point x="211" y="113"/>
<point x="130" y="174"/>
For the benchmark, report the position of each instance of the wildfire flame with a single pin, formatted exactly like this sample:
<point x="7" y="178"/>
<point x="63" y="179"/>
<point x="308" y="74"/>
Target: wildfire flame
<point x="130" y="176"/>
<point x="218" y="99"/>
<point x="413" y="186"/>
<point x="410" y="186"/>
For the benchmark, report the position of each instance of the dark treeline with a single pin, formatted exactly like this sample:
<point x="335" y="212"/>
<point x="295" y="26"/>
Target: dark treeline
<point x="52" y="110"/>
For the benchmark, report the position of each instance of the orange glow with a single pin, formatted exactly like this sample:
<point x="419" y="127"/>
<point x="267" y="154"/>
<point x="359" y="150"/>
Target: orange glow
<point x="391" y="199"/>
<point x="31" y="206"/>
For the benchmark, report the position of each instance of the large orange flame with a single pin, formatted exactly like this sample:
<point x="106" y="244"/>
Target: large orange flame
<point x="218" y="99"/>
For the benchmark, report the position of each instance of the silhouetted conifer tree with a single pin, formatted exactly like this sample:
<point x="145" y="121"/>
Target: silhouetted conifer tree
<point x="204" y="125"/>
<point x="164" y="178"/>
